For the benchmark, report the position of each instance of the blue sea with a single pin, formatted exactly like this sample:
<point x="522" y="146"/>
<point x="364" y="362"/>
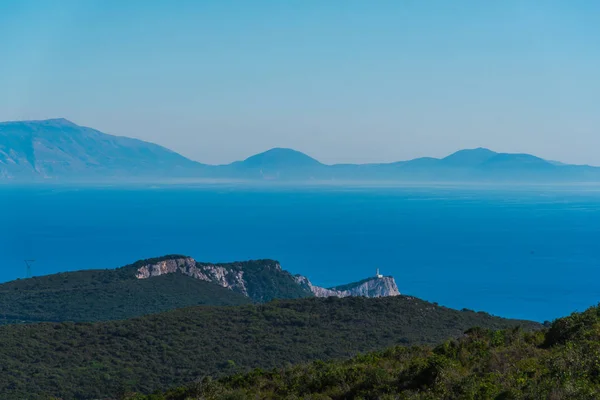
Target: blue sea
<point x="515" y="252"/>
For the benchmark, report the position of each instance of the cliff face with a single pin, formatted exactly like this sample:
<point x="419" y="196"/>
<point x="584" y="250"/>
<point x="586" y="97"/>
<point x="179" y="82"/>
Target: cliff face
<point x="371" y="287"/>
<point x="260" y="280"/>
<point x="374" y="287"/>
<point x="264" y="280"/>
<point x="226" y="277"/>
<point x="186" y="266"/>
<point x="316" y="290"/>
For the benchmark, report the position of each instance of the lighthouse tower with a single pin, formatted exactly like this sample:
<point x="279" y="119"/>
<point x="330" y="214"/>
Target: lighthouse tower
<point x="378" y="275"/>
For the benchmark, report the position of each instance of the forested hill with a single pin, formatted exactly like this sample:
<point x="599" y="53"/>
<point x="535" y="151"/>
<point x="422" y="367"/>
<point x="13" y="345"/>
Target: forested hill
<point x="94" y="300"/>
<point x="161" y="284"/>
<point x="100" y="360"/>
<point x="100" y="295"/>
<point x="97" y="295"/>
<point x="559" y="363"/>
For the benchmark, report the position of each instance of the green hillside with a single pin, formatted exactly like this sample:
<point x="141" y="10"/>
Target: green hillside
<point x="99" y="360"/>
<point x="559" y="363"/>
<point x="102" y="295"/>
<point x="111" y="300"/>
<point x="105" y="295"/>
<point x="265" y="280"/>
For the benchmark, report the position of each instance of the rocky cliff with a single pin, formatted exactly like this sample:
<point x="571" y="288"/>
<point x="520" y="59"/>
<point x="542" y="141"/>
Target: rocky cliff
<point x="222" y="276"/>
<point x="260" y="280"/>
<point x="370" y="287"/>
<point x="263" y="280"/>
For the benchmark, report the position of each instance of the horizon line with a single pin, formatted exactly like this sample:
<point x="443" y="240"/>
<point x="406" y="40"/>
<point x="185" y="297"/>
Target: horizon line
<point x="68" y="122"/>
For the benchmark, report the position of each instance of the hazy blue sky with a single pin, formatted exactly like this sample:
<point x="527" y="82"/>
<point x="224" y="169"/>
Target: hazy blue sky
<point x="344" y="81"/>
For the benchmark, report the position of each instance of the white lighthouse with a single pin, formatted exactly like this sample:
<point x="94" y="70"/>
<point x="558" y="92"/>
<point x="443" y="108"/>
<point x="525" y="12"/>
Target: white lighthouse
<point x="378" y="275"/>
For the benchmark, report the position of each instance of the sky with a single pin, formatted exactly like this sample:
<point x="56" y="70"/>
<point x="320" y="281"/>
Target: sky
<point x="341" y="80"/>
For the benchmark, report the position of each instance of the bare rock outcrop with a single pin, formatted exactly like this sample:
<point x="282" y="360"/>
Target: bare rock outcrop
<point x="372" y="287"/>
<point x="232" y="276"/>
<point x="186" y="266"/>
<point x="227" y="278"/>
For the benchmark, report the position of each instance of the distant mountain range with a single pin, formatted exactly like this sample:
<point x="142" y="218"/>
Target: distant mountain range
<point x="59" y="150"/>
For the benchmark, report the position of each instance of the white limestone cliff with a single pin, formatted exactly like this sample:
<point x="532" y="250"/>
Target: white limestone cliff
<point x="227" y="278"/>
<point x="233" y="279"/>
<point x="373" y="287"/>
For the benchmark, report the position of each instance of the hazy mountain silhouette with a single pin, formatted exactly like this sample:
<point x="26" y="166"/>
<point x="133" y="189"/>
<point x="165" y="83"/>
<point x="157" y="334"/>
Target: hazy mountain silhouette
<point x="468" y="158"/>
<point x="280" y="158"/>
<point x="277" y="163"/>
<point x="58" y="149"/>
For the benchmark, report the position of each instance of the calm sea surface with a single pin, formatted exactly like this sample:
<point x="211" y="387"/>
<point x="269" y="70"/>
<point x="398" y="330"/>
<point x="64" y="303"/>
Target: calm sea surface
<point x="525" y="253"/>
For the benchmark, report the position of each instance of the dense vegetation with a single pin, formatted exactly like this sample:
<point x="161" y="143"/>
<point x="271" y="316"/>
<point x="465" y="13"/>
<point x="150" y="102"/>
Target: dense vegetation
<point x="266" y="281"/>
<point x="101" y="295"/>
<point x="562" y="362"/>
<point x="105" y="295"/>
<point x="96" y="360"/>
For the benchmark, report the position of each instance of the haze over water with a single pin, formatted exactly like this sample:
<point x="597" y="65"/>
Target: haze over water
<point x="513" y="252"/>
